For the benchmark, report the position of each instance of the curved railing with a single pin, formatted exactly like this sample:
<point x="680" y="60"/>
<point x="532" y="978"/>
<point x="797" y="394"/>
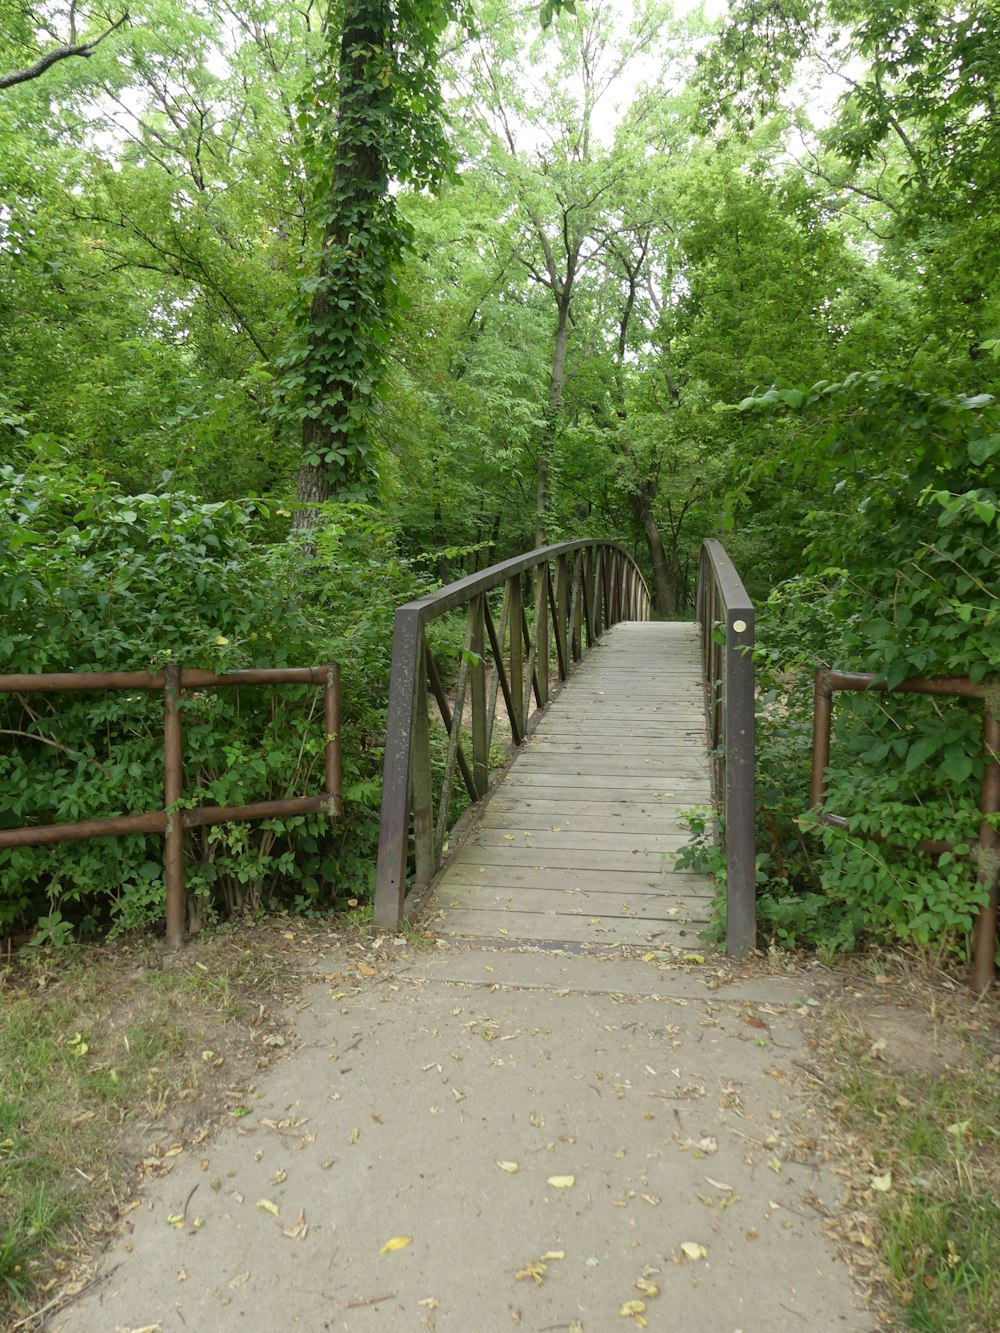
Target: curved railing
<point x="575" y="590"/>
<point x="726" y="620"/>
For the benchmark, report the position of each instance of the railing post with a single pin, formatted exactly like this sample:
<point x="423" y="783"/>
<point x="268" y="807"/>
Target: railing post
<point x="421" y="791"/>
<point x="516" y="632"/>
<point x="542" y="633"/>
<point x="741" y="861"/>
<point x="562" y="616"/>
<point x="173" y="789"/>
<point x="390" y="878"/>
<point x="477" y="681"/>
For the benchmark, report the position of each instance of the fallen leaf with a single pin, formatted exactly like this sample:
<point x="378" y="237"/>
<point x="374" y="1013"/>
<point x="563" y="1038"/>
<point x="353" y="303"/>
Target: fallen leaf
<point x="882" y="1183"/>
<point x="176" y="1220"/>
<point x="554" y="1254"/>
<point x="239" y="1280"/>
<point x="367" y="970"/>
<point x="647" y="1286"/>
<point x="634" y="1310"/>
<point x="430" y="1302"/>
<point x="718" y="1185"/>
<point x="536" y="1270"/>
<point x="694" y="1251"/>
<point x="300" y="1230"/>
<point x="561" y="1182"/>
<point x="268" y="1207"/>
<point x="396" y="1243"/>
<point x="509" y="1167"/>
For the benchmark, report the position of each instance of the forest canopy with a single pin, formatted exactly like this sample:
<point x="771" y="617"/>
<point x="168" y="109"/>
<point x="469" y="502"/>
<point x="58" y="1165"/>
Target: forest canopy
<point x="340" y="301"/>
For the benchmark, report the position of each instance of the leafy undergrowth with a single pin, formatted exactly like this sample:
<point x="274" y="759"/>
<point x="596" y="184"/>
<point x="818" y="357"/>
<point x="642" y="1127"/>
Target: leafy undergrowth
<point x="909" y="1066"/>
<point x="109" y="1059"/>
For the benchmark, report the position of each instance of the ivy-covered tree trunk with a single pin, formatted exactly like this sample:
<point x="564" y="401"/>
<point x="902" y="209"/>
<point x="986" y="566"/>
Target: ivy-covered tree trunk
<point x="360" y="244"/>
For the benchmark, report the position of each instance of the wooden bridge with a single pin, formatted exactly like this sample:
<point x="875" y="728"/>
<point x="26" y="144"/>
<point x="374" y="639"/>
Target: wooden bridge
<point x="617" y="725"/>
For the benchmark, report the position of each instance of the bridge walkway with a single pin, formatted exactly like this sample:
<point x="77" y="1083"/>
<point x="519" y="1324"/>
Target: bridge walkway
<point x="575" y="846"/>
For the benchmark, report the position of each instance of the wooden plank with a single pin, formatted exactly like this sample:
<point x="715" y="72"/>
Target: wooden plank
<point x="524" y="818"/>
<point x="581" y="902"/>
<point x="607" y="933"/>
<point x="558" y="879"/>
<point x="566" y="858"/>
<point x="545" y="840"/>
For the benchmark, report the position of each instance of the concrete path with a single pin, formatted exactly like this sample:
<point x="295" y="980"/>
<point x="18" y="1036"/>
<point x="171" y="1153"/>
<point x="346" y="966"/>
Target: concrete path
<point x="477" y="1140"/>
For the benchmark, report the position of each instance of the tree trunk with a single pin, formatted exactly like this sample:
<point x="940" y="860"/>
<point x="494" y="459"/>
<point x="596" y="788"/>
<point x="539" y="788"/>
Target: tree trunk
<point x="664" y="585"/>
<point x="557" y="382"/>
<point x="335" y="449"/>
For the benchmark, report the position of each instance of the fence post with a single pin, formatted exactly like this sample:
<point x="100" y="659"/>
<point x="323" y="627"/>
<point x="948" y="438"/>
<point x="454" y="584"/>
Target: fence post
<point x="390" y="877"/>
<point x="740" y="797"/>
<point x="173" y="788"/>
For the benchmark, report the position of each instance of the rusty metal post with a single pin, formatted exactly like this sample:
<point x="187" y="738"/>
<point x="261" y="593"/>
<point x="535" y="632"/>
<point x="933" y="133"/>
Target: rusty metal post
<point x="822" y="719"/>
<point x="516" y="631"/>
<point x="542" y="633"/>
<point x="562" y="616"/>
<point x="421" y="785"/>
<point x="173" y="789"/>
<point x="988" y="870"/>
<point x="332" y="750"/>
<point x="390" y="875"/>
<point x="477" y="681"/>
<point x="741" y="803"/>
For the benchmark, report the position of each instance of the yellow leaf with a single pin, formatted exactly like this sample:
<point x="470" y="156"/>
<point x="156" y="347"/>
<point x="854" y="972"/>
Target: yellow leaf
<point x="535" y="1270"/>
<point x="221" y="639"/>
<point x="692" y="958"/>
<point x="239" y="1280"/>
<point x="647" y="1286"/>
<point x="268" y="1207"/>
<point x="299" y="1230"/>
<point x="397" y="1243"/>
<point x="554" y="1254"/>
<point x="561" y="1182"/>
<point x="509" y="1167"/>
<point x="882" y="1183"/>
<point x="694" y="1251"/>
<point x="633" y="1308"/>
<point x="176" y="1220"/>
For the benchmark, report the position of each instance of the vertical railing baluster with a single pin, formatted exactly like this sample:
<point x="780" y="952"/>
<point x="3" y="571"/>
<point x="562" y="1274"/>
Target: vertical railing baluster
<point x="516" y="640"/>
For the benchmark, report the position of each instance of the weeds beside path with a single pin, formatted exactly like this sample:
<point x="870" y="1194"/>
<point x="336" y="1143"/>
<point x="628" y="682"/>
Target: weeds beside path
<point x="109" y="1062"/>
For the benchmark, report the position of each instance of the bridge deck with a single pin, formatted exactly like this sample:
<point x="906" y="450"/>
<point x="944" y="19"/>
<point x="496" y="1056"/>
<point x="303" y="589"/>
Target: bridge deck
<point x="575" y="844"/>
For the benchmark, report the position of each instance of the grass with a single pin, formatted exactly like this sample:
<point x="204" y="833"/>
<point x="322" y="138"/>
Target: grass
<point x="932" y="1128"/>
<point x="97" y="1045"/>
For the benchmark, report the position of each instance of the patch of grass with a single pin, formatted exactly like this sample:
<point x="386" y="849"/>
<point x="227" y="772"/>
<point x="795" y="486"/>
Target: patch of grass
<point x="96" y="1046"/>
<point x="935" y="1129"/>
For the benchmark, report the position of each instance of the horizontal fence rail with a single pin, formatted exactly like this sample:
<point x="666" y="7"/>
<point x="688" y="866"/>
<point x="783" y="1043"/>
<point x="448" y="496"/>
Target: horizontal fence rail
<point x="574" y="591"/>
<point x="985" y="853"/>
<point x="171" y="821"/>
<point x="726" y="619"/>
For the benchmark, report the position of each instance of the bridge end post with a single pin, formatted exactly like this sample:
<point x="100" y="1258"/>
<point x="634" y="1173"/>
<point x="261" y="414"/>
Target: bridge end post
<point x="740" y="793"/>
<point x="393" y="837"/>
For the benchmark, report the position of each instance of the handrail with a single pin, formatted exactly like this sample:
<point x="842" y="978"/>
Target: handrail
<point x="171" y="821"/>
<point x="727" y="658"/>
<point x="985" y="852"/>
<point x="579" y="589"/>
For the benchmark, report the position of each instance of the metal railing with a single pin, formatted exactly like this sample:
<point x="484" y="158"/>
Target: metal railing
<point x="171" y="821"/>
<point x="985" y="853"/>
<point x="726" y="619"/>
<point x="577" y="590"/>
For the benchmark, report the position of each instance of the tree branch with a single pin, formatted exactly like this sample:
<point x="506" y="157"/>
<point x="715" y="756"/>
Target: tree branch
<point x="50" y="58"/>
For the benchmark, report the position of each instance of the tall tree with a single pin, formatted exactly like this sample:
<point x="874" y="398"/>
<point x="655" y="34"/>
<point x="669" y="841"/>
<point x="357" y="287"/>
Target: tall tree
<point x="376" y="125"/>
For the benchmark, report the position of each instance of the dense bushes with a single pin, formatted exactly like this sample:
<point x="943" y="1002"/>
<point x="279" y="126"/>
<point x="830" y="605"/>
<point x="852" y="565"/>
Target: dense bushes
<point x="901" y="578"/>
<point x="91" y="578"/>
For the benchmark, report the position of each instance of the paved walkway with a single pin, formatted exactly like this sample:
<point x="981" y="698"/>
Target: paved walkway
<point x="546" y="1137"/>
<point x="550" y="1126"/>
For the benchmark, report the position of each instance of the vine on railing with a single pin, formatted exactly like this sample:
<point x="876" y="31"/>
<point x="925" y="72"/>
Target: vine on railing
<point x="573" y="591"/>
